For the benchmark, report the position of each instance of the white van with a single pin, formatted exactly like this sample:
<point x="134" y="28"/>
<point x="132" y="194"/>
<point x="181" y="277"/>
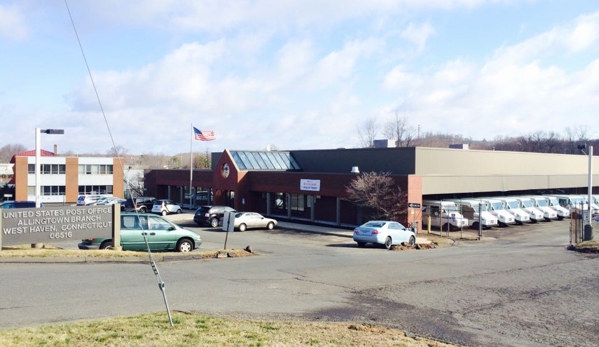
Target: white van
<point x="443" y="214"/>
<point x="513" y="206"/>
<point x="469" y="209"/>
<point x="573" y="201"/>
<point x="594" y="204"/>
<point x="553" y="203"/>
<point x="497" y="208"/>
<point x="540" y="204"/>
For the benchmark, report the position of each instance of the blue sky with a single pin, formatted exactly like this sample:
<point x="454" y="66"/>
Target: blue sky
<point x="295" y="74"/>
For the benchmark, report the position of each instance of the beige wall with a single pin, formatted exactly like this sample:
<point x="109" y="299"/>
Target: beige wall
<point x="446" y="171"/>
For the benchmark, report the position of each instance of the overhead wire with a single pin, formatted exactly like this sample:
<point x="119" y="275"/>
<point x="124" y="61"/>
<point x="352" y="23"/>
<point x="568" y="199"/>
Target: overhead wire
<point x="161" y="283"/>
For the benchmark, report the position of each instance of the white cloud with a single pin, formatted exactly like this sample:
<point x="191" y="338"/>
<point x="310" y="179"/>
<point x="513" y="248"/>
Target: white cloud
<point x="520" y="89"/>
<point x="12" y="23"/>
<point x="418" y="34"/>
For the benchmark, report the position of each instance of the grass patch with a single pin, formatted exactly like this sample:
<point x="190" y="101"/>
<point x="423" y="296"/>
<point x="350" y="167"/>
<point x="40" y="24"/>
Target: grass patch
<point x="587" y="246"/>
<point x="25" y="251"/>
<point x="194" y="330"/>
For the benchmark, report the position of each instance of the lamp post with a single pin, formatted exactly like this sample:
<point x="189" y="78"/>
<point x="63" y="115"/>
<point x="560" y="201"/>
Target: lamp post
<point x="588" y="231"/>
<point x="39" y="131"/>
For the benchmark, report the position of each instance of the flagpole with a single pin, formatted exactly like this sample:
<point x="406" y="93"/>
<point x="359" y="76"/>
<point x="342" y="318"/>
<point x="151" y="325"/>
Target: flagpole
<point x="191" y="166"/>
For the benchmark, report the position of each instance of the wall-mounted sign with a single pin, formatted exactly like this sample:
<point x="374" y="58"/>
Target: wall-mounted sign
<point x="310" y="185"/>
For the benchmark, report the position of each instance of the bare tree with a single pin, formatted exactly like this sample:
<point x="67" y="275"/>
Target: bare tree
<point x="7" y="151"/>
<point x="378" y="192"/>
<point x="367" y="132"/>
<point x="400" y="130"/>
<point x="575" y="136"/>
<point x="117" y="151"/>
<point x="134" y="182"/>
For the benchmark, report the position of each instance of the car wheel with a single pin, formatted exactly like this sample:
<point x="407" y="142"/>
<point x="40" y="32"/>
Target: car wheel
<point x="179" y="211"/>
<point x="388" y="242"/>
<point x="214" y="222"/>
<point x="163" y="212"/>
<point x="242" y="227"/>
<point x="270" y="226"/>
<point x="142" y="210"/>
<point x="106" y="244"/>
<point x="184" y="246"/>
<point x="412" y="241"/>
<point x="475" y="225"/>
<point x="361" y="244"/>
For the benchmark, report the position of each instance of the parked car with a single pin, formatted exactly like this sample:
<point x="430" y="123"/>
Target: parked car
<point x="162" y="235"/>
<point x="209" y="215"/>
<point x="17" y="204"/>
<point x="140" y="204"/>
<point x="89" y="199"/>
<point x="165" y="206"/>
<point x="110" y="201"/>
<point x="253" y="220"/>
<point x="383" y="232"/>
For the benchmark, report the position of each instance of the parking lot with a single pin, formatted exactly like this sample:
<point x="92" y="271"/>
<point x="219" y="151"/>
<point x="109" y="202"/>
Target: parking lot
<point x="519" y="286"/>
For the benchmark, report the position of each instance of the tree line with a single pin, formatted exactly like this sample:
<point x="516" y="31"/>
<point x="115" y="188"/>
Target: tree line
<point x="403" y="134"/>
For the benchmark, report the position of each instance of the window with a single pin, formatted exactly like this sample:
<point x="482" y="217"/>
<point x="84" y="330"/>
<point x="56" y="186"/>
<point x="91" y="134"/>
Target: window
<point x="280" y="201"/>
<point x="298" y="202"/>
<point x="268" y="160"/>
<point x="52" y="190"/>
<point x="48" y="169"/>
<point x="92" y="190"/>
<point x="100" y="169"/>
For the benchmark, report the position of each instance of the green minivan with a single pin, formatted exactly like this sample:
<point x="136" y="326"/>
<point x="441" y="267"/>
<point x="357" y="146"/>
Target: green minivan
<point x="160" y="233"/>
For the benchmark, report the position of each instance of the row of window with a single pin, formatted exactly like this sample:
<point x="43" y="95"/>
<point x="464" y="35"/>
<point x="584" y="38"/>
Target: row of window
<point x="60" y="169"/>
<point x="60" y="190"/>
<point x="47" y="190"/>
<point x="48" y="169"/>
<point x="99" y="169"/>
<point x="93" y="190"/>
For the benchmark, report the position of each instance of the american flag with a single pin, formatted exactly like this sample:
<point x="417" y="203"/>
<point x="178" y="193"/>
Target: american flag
<point x="204" y="135"/>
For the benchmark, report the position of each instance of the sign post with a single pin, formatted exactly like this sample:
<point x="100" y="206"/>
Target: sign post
<point x="228" y="224"/>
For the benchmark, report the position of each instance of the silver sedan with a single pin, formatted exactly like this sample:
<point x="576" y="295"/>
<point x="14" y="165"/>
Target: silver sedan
<point x="251" y="220"/>
<point x="383" y="232"/>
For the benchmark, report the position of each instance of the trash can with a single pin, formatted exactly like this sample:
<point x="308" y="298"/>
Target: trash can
<point x="587" y="234"/>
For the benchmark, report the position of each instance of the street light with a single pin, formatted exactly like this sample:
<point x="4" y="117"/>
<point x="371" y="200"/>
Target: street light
<point x="588" y="228"/>
<point x="39" y="131"/>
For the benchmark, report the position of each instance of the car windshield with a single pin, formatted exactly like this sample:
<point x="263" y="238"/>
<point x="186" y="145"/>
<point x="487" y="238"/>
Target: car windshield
<point x="374" y="224"/>
<point x="578" y="201"/>
<point x="497" y="205"/>
<point x="541" y="202"/>
<point x="527" y="203"/>
<point x="451" y="208"/>
<point x="513" y="204"/>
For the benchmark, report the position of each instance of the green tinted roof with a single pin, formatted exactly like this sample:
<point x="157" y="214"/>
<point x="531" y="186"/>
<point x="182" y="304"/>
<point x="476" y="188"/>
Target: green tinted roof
<point x="264" y="160"/>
